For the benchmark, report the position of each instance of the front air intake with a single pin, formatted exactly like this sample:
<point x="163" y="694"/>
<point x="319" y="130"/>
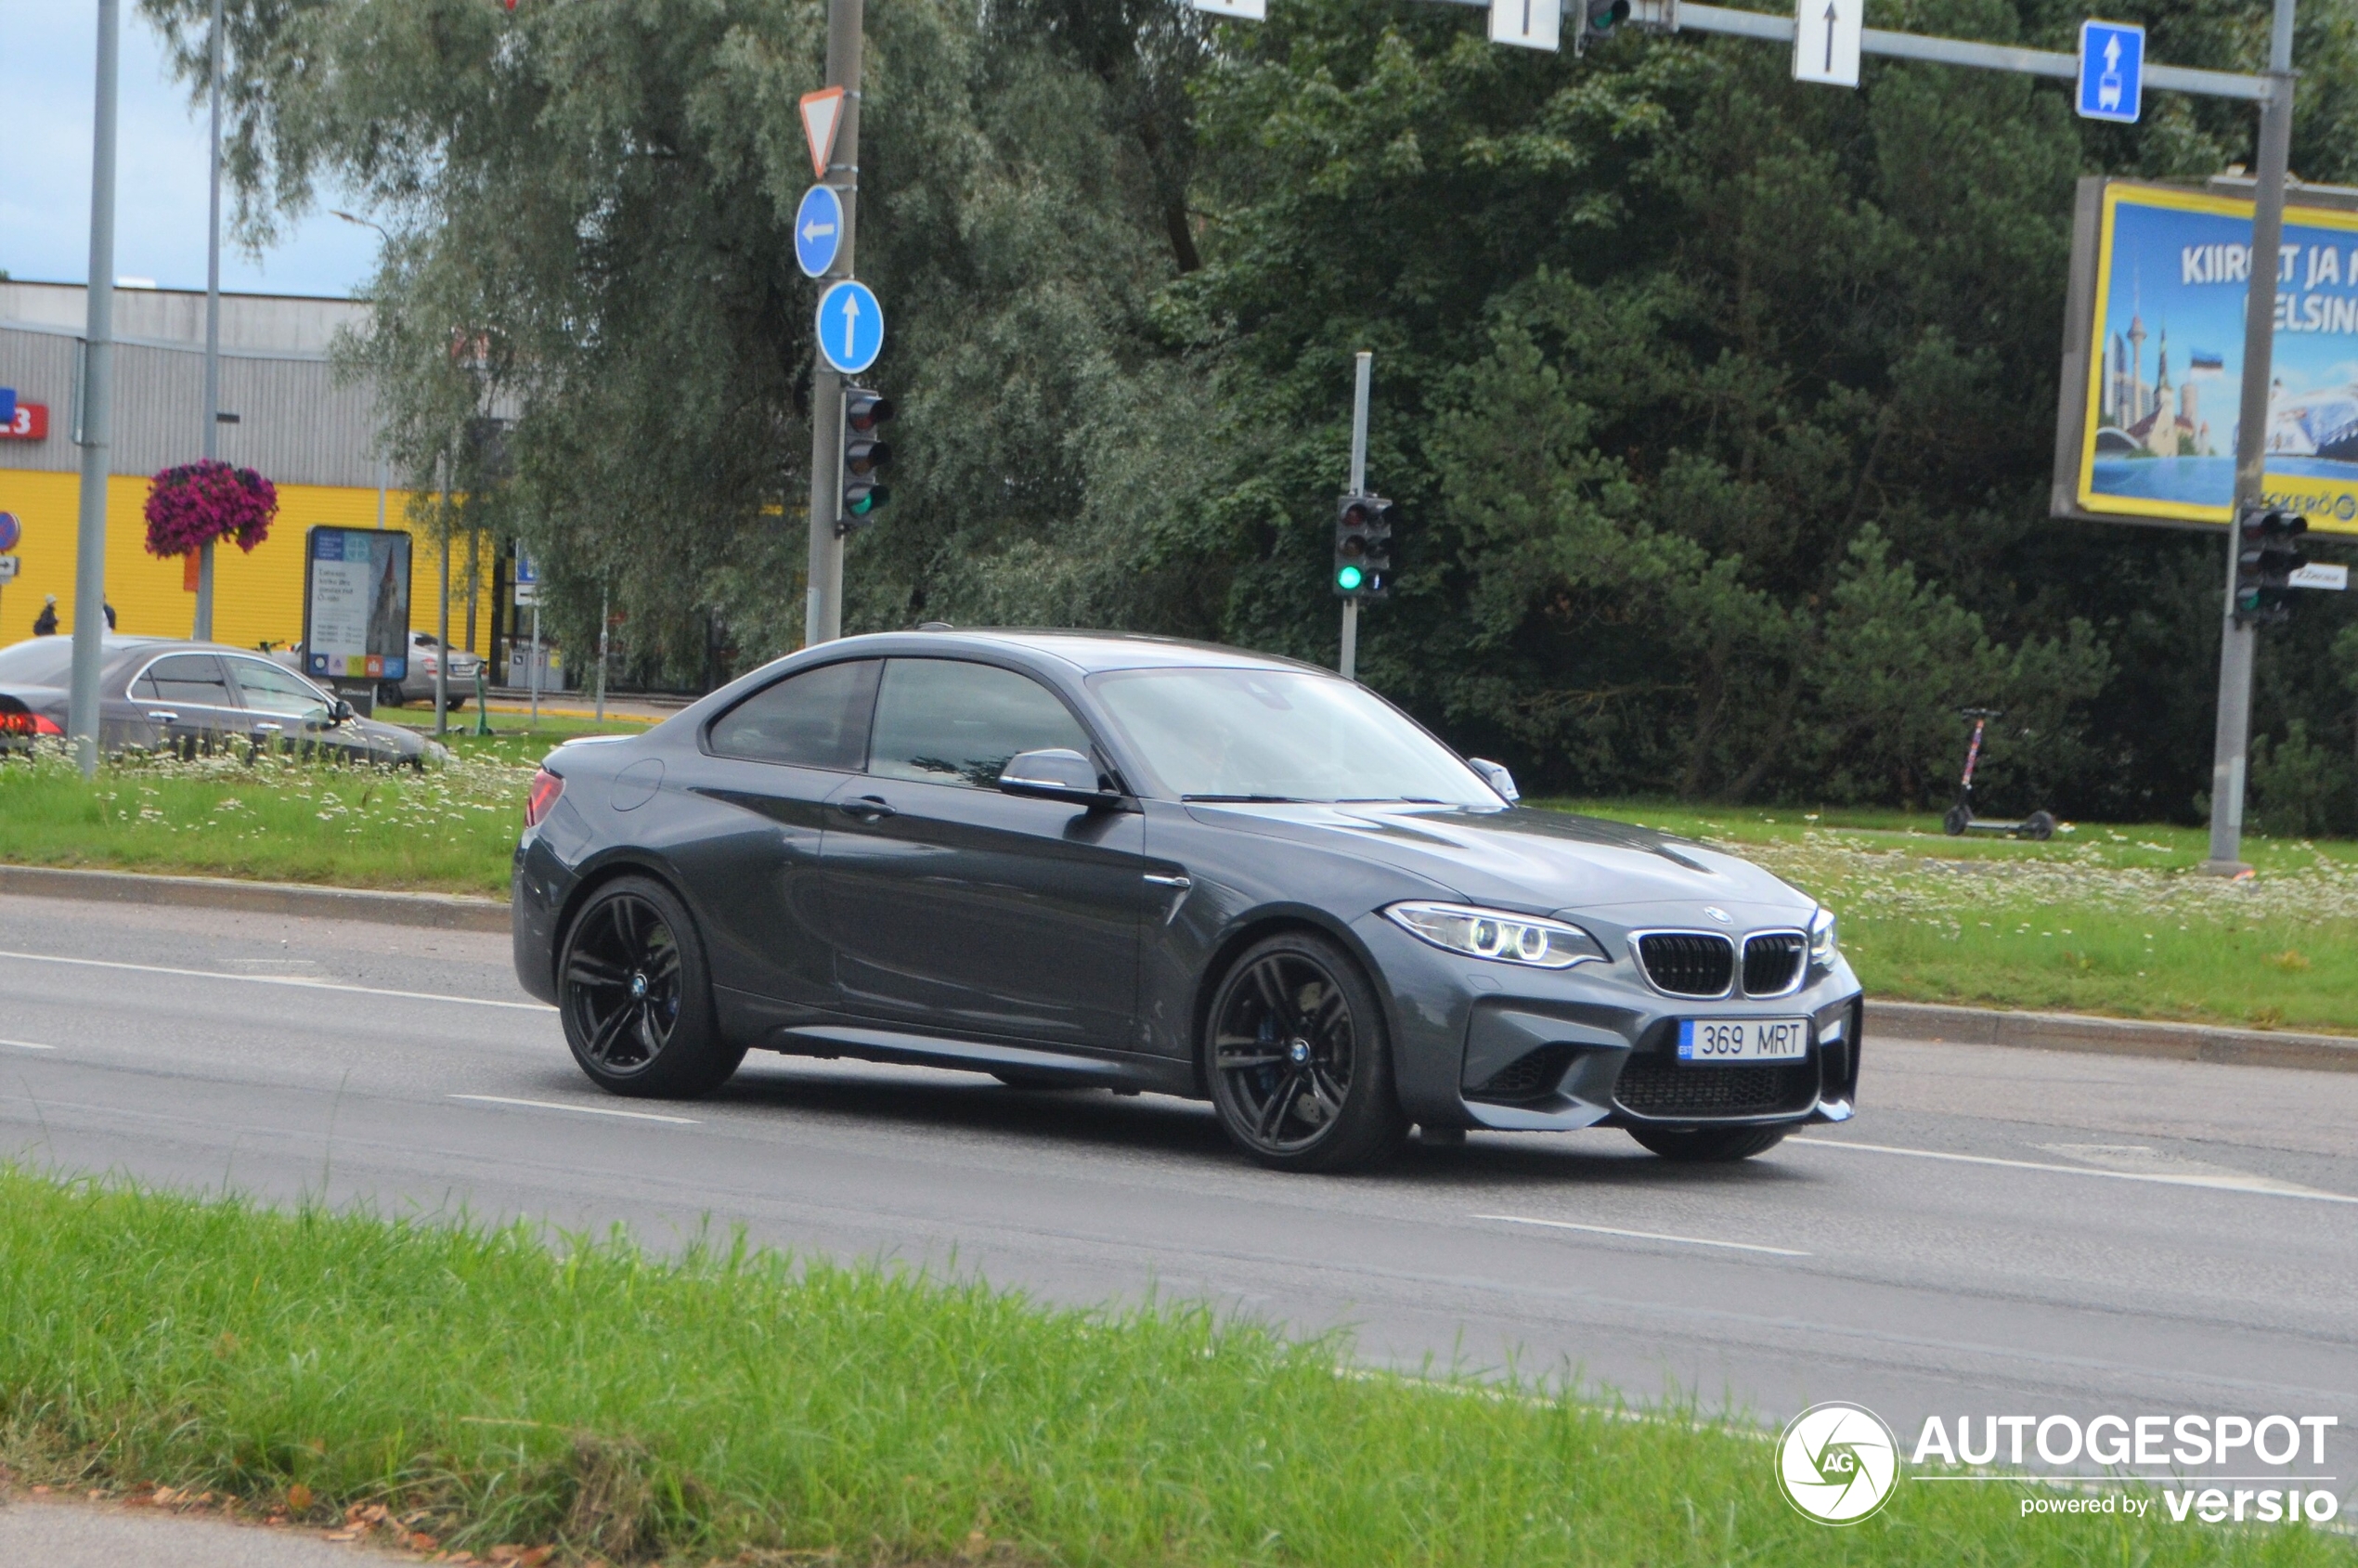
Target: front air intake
<point x="1772" y="962"/>
<point x="1688" y="963"/>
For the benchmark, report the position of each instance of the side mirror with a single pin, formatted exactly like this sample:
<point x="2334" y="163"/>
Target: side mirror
<point x="1057" y="773"/>
<point x="339" y="711"/>
<point x="1497" y="777"/>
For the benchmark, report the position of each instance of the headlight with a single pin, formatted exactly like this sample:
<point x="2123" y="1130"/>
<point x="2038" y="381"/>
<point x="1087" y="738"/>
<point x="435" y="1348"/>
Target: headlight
<point x="1822" y="940"/>
<point x="1490" y="933"/>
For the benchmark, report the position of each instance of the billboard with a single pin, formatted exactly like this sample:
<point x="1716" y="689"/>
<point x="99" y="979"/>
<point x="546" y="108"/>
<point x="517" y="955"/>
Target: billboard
<point x="2152" y="379"/>
<point x="355" y="604"/>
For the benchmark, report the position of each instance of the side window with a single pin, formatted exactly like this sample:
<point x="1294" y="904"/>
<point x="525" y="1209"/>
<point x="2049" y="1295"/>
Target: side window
<point x="948" y="721"/>
<point x="195" y="678"/>
<point x="268" y="689"/>
<point x="816" y="719"/>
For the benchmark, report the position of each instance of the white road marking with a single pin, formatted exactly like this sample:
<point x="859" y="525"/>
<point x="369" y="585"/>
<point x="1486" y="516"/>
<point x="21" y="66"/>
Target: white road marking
<point x="586" y="1110"/>
<point x="2140" y="1160"/>
<point x="299" y="981"/>
<point x="1643" y="1235"/>
<point x="2237" y="1182"/>
<point x="27" y="1045"/>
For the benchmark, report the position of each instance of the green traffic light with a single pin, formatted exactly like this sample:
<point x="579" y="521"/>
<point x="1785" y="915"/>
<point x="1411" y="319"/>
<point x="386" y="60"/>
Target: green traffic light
<point x="1349" y="579"/>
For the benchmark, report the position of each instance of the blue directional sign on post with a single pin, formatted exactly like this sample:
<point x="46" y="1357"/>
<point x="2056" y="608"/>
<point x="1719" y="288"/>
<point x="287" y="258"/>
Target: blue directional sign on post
<point x="2112" y="70"/>
<point x="850" y="327"/>
<point x="818" y="231"/>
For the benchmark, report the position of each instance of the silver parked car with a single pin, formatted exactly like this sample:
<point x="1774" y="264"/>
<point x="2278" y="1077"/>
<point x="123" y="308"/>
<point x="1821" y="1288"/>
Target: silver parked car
<point x="417" y="685"/>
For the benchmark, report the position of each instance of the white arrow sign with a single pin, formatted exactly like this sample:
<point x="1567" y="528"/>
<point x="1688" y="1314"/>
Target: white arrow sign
<point x="1826" y="41"/>
<point x="821" y="117"/>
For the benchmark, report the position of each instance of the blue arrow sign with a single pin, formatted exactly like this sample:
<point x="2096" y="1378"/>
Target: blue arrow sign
<point x="2112" y="70"/>
<point x="850" y="327"/>
<point x="818" y="231"/>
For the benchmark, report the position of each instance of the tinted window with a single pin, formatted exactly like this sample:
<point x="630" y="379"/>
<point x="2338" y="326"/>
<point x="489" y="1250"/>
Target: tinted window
<point x="952" y="723"/>
<point x="196" y="678"/>
<point x="816" y="719"/>
<point x="272" y="690"/>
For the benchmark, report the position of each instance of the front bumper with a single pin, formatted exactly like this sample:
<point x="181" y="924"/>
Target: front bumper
<point x="1479" y="1043"/>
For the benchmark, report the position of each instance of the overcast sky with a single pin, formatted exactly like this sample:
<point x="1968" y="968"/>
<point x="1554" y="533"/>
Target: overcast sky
<point x="48" y="51"/>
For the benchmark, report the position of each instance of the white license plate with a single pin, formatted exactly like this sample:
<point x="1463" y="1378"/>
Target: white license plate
<point x="1743" y="1040"/>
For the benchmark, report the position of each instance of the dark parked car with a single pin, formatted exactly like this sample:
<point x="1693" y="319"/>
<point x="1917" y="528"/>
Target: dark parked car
<point x="1073" y="860"/>
<point x="192" y="698"/>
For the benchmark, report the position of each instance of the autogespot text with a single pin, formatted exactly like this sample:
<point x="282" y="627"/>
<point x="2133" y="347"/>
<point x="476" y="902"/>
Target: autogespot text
<point x="2188" y="1443"/>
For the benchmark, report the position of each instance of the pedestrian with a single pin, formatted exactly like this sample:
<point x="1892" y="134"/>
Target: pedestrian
<point x="46" y="622"/>
<point x="109" y="609"/>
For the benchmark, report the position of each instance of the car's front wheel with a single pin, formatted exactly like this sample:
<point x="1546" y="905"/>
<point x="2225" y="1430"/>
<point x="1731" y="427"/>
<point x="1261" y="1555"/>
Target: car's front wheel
<point x="637" y="998"/>
<point x="1708" y="1146"/>
<point x="1297" y="1060"/>
<point x="388" y="693"/>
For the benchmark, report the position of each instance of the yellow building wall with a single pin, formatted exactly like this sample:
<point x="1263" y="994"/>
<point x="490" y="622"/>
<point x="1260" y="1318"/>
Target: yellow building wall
<point x="257" y="597"/>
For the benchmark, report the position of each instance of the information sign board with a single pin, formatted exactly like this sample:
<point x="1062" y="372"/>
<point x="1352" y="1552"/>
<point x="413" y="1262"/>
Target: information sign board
<point x="355" y="604"/>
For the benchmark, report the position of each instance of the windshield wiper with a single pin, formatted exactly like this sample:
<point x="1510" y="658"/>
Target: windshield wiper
<point x="1390" y="800"/>
<point x="1247" y="799"/>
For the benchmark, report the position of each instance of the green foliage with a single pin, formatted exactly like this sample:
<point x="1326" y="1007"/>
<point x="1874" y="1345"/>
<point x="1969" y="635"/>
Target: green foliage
<point x="1719" y="405"/>
<point x="492" y="1389"/>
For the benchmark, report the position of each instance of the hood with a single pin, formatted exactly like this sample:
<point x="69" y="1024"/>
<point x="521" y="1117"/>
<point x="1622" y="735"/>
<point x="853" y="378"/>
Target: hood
<point x="1529" y="860"/>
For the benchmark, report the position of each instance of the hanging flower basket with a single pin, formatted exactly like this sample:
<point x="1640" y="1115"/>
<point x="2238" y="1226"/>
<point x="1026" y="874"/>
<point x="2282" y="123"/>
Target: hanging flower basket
<point x="197" y="503"/>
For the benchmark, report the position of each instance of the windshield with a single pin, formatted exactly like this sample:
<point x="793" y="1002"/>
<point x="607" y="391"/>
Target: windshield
<point x="1276" y="735"/>
<point x="44" y="661"/>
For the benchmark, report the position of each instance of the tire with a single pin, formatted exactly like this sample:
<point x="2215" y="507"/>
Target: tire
<point x="388" y="693"/>
<point x="1708" y="1146"/>
<point x="636" y="996"/>
<point x="1956" y="822"/>
<point x="2039" y="826"/>
<point x="1294" y="1025"/>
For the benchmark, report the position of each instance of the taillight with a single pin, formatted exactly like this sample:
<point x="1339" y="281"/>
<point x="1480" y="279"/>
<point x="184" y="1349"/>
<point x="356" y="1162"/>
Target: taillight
<point x="44" y="725"/>
<point x="24" y="722"/>
<point x="546" y="788"/>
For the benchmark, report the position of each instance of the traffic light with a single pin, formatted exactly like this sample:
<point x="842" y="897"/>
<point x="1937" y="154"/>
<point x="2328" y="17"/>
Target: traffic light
<point x="1363" y="547"/>
<point x="865" y="412"/>
<point x="2265" y="560"/>
<point x="1596" y="18"/>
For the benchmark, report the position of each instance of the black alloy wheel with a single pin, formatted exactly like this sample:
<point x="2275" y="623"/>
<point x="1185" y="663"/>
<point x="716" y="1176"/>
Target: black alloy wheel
<point x="1299" y="1070"/>
<point x="1708" y="1146"/>
<point x="636" y="998"/>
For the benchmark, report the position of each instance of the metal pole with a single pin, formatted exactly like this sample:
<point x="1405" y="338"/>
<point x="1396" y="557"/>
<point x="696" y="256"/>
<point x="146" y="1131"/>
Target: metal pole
<point x="2235" y="643"/>
<point x="442" y="627"/>
<point x="605" y="623"/>
<point x="823" y="610"/>
<point x="1362" y="373"/>
<point x="202" y="630"/>
<point x="536" y="656"/>
<point x="98" y="411"/>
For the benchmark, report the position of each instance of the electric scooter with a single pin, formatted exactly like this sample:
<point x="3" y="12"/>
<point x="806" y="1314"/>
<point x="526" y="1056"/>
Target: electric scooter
<point x="2040" y="825"/>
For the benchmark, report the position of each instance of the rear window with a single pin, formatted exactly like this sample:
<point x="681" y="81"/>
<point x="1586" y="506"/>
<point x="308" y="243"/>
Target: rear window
<point x="817" y="718"/>
<point x="44" y="661"/>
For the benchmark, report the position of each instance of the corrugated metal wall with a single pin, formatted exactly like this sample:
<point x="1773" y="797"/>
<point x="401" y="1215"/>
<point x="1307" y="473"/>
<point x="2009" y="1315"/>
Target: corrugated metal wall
<point x="298" y="425"/>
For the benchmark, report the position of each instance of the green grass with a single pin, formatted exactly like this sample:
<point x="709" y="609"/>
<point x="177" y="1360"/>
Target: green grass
<point x="2105" y="919"/>
<point x="491" y="1390"/>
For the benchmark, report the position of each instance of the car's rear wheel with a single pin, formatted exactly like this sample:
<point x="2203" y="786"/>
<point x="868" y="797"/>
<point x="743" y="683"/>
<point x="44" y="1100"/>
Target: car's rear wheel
<point x="1708" y="1146"/>
<point x="637" y="998"/>
<point x="388" y="693"/>
<point x="1298" y="1061"/>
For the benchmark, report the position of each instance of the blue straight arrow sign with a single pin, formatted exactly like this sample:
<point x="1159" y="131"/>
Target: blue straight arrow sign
<point x="850" y="327"/>
<point x="2112" y="70"/>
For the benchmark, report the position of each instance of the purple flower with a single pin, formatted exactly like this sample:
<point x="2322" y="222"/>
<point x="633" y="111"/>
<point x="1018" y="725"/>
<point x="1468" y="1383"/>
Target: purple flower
<point x="197" y="503"/>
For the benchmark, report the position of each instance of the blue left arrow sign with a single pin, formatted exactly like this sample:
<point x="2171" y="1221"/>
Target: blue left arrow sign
<point x="850" y="327"/>
<point x="818" y="231"/>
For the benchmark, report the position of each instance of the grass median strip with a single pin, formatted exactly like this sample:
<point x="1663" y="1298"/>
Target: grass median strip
<point x="485" y="1388"/>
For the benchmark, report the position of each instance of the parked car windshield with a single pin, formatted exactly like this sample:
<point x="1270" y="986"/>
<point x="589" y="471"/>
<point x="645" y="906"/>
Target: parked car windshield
<point x="1276" y="735"/>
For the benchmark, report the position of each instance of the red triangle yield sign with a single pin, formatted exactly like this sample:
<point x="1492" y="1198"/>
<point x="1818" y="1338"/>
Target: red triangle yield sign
<point x="821" y="117"/>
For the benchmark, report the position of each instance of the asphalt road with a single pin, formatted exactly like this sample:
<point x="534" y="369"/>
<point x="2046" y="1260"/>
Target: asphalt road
<point x="2001" y="1231"/>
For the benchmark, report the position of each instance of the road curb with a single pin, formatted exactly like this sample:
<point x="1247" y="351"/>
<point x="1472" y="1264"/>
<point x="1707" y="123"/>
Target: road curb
<point x="449" y="912"/>
<point x="2120" y="1037"/>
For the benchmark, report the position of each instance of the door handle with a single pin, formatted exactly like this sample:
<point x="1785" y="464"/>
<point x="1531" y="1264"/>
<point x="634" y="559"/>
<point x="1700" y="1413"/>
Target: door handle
<point x="268" y="729"/>
<point x="867" y="807"/>
<point x="162" y="715"/>
<point x="1169" y="881"/>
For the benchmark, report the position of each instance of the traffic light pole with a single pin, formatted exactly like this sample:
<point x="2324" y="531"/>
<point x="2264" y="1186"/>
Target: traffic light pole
<point x="1363" y="373"/>
<point x="2236" y="642"/>
<point x="823" y="606"/>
